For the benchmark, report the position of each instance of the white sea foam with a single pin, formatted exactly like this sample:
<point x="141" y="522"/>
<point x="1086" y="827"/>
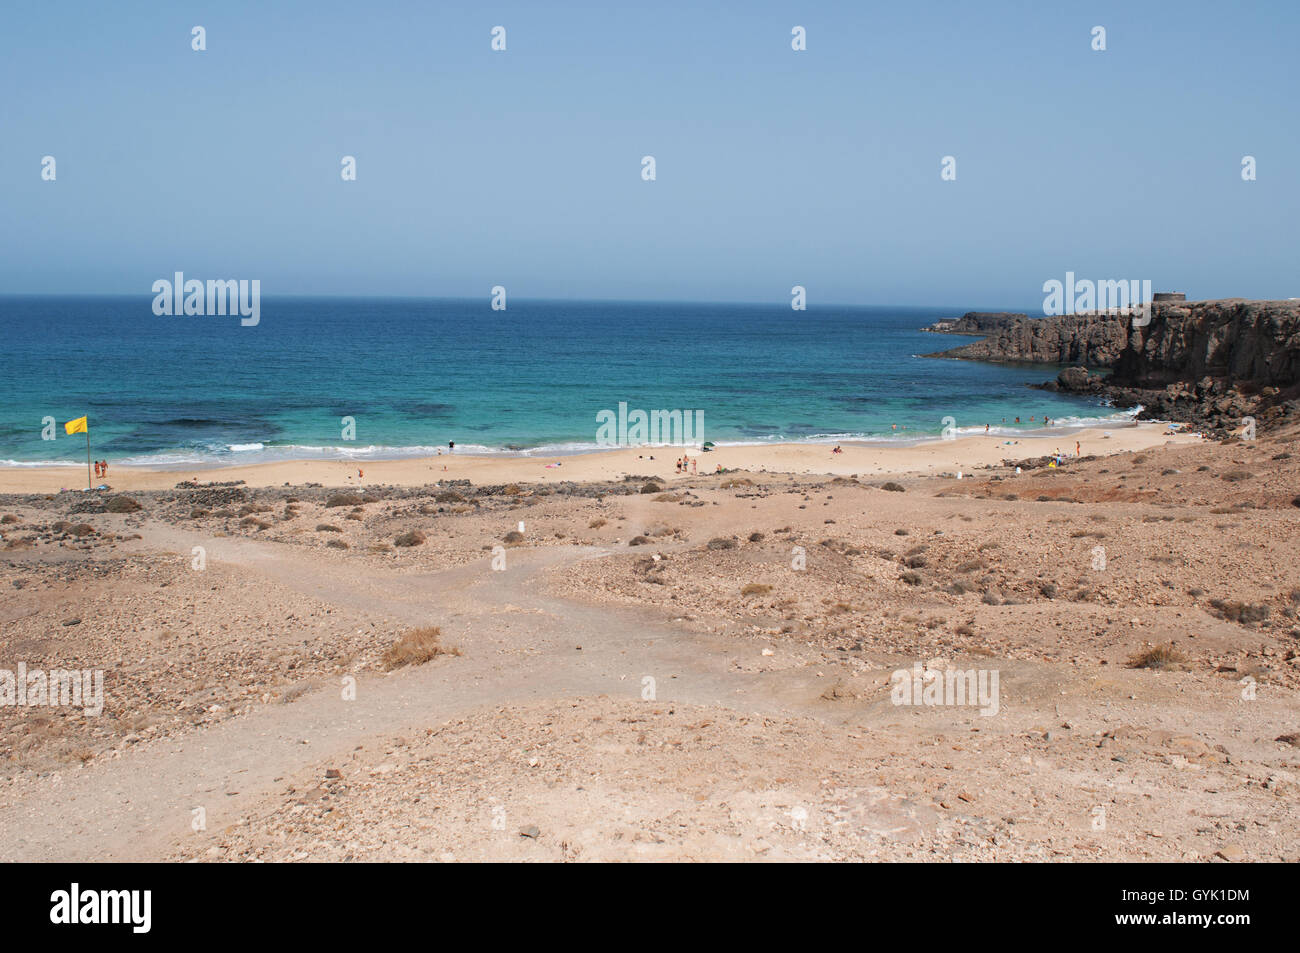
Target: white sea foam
<point x="224" y="454"/>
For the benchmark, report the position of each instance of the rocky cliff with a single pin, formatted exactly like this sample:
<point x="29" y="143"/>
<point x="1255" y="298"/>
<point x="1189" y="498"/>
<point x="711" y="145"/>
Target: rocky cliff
<point x="1205" y="362"/>
<point x="977" y="322"/>
<point x="1094" y="340"/>
<point x="1237" y="341"/>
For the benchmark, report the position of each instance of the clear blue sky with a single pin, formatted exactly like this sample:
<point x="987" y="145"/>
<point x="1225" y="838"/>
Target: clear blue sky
<point x="775" y="168"/>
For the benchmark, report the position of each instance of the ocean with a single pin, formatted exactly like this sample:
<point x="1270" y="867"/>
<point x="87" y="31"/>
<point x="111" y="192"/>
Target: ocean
<point x="414" y="374"/>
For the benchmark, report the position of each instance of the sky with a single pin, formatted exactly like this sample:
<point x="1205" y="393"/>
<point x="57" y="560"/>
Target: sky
<point x="774" y="167"/>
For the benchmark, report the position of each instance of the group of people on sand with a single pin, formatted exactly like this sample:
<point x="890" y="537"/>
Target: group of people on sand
<point x="1058" y="458"/>
<point x="685" y="464"/>
<point x="101" y="468"/>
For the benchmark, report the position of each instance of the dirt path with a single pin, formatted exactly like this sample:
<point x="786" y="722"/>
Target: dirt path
<point x="519" y="646"/>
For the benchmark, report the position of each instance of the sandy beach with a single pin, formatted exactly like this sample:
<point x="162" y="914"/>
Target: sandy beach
<point x="961" y="454"/>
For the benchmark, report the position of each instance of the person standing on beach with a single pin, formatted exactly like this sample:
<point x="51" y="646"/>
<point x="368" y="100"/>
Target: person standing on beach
<point x="1077" y="451"/>
<point x="96" y="468"/>
<point x="103" y="468"/>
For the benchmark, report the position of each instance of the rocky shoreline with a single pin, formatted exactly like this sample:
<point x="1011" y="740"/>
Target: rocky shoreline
<point x="976" y="322"/>
<point x="1211" y="364"/>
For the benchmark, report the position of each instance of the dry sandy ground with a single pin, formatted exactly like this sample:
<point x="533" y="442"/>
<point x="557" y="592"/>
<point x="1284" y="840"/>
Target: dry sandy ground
<point x="699" y="670"/>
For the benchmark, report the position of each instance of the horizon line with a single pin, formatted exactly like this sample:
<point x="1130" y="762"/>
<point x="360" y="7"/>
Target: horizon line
<point x="547" y="300"/>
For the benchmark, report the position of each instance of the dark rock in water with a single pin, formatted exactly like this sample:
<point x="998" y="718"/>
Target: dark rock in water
<point x="1095" y="340"/>
<point x="976" y="322"/>
<point x="1207" y="363"/>
<point x="1077" y="380"/>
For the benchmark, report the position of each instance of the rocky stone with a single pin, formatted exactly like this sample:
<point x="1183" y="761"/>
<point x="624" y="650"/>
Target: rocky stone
<point x="1208" y="363"/>
<point x="1077" y="380"/>
<point x="1095" y="340"/>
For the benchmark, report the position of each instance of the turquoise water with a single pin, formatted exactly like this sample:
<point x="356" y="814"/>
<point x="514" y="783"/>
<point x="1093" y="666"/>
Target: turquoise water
<point x="417" y="373"/>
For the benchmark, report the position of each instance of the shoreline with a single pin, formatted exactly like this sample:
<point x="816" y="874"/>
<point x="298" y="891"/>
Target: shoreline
<point x="858" y="458"/>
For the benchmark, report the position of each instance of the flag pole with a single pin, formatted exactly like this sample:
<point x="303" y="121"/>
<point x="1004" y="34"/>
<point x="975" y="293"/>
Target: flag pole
<point x="88" y="485"/>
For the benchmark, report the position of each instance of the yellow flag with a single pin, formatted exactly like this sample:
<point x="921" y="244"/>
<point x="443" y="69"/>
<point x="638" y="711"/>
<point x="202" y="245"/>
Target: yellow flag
<point x="76" y="426"/>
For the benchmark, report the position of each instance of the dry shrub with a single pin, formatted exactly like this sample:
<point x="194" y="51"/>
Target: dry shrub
<point x="1243" y="613"/>
<point x="721" y="542"/>
<point x="597" y="523"/>
<point x="417" y="647"/>
<point x="755" y="589"/>
<point x="121" y="504"/>
<point x="514" y="536"/>
<point x="327" y="528"/>
<point x="412" y="537"/>
<point x="1158" y="657"/>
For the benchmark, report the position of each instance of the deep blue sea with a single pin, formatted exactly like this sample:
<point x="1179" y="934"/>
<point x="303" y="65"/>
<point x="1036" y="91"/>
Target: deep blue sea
<point x="417" y="373"/>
